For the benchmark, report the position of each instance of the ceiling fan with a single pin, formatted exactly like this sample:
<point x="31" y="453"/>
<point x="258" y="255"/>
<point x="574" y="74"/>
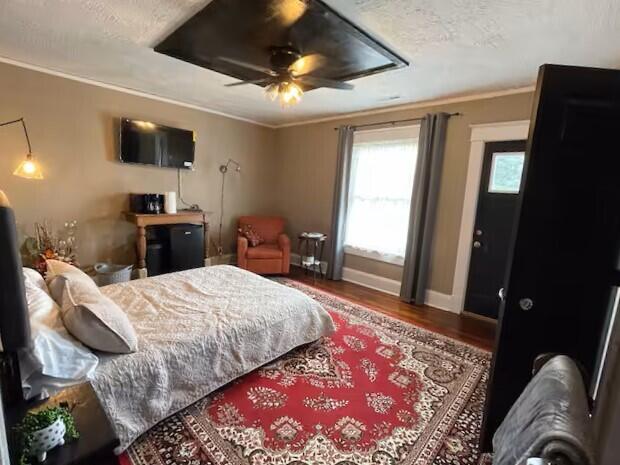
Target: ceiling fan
<point x="289" y="72"/>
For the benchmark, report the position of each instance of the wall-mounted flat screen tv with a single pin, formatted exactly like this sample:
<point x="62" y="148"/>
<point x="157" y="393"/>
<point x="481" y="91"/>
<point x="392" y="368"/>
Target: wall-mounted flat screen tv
<point x="148" y="143"/>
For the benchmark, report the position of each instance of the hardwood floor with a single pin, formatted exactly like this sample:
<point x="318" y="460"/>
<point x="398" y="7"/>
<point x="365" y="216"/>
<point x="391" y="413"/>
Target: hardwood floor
<point x="465" y="328"/>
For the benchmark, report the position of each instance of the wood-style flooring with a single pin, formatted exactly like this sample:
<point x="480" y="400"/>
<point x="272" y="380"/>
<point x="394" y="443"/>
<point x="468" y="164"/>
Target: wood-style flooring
<point x="465" y="328"/>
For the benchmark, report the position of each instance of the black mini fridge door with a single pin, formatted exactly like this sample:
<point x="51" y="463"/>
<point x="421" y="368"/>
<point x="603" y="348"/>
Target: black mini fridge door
<point x="186" y="247"/>
<point x="564" y="258"/>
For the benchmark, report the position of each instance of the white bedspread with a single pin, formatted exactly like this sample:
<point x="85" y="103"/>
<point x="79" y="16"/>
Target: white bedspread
<point x="198" y="330"/>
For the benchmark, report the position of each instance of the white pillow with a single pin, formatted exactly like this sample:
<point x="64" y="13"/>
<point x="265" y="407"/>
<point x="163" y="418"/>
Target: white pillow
<point x="57" y="268"/>
<point x="55" y="360"/>
<point x="92" y="317"/>
<point x="35" y="278"/>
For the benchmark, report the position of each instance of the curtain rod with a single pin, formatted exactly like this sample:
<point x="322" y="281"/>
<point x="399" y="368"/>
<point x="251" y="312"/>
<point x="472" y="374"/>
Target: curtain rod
<point x="394" y="122"/>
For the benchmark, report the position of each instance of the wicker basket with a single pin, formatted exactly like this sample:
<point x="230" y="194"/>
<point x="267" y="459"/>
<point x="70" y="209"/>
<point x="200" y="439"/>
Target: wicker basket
<point x="111" y="274"/>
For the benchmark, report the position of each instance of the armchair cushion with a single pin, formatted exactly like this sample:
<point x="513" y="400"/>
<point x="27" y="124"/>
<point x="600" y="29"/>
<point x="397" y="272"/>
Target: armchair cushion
<point x="264" y="251"/>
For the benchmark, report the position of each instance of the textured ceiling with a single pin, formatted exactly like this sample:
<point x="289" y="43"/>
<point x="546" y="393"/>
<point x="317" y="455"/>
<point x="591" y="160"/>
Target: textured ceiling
<point x="455" y="47"/>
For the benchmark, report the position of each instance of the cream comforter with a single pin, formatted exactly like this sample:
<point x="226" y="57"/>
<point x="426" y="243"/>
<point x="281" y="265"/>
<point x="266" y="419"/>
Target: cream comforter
<point x="197" y="330"/>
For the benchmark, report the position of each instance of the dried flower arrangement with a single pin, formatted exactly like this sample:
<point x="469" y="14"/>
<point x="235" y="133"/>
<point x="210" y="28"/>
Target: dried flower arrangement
<point x="47" y="244"/>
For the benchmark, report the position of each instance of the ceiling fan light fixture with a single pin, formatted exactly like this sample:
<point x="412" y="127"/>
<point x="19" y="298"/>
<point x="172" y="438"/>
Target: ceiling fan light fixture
<point x="290" y="94"/>
<point x="272" y="91"/>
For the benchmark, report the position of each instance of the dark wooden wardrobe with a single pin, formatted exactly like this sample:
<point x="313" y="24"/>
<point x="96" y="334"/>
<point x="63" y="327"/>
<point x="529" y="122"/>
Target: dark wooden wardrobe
<point x="565" y="261"/>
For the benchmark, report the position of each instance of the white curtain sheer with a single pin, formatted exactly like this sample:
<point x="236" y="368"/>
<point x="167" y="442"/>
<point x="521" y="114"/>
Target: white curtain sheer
<point x="382" y="173"/>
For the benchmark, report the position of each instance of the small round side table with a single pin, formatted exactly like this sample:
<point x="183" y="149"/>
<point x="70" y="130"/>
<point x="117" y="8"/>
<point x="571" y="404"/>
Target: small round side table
<point x="313" y="243"/>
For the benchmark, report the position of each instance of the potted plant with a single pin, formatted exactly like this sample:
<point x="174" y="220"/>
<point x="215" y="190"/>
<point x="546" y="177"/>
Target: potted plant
<point x="43" y="430"/>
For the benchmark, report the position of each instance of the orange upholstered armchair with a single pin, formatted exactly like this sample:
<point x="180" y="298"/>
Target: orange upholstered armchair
<point x="271" y="257"/>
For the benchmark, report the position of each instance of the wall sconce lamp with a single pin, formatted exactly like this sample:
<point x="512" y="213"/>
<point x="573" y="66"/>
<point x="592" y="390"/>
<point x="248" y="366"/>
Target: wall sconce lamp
<point x="28" y="168"/>
<point x="224" y="169"/>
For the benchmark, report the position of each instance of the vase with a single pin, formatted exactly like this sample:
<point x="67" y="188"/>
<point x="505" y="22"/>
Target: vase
<point x="47" y="438"/>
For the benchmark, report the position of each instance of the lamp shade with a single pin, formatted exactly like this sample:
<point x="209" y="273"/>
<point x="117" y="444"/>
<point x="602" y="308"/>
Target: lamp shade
<point x="14" y="319"/>
<point x="29" y="169"/>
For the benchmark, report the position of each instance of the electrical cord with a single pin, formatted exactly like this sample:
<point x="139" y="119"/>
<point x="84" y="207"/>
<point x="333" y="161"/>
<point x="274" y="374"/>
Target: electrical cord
<point x="193" y="206"/>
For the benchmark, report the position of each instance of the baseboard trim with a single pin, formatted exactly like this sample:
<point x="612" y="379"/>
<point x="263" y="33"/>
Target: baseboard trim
<point x="226" y="259"/>
<point x="433" y="299"/>
<point x="441" y="301"/>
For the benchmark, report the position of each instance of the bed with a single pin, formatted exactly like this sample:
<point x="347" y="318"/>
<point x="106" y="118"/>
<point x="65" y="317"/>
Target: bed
<point x="198" y="330"/>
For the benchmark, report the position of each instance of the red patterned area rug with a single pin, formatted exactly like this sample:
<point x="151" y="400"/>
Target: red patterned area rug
<point x="378" y="391"/>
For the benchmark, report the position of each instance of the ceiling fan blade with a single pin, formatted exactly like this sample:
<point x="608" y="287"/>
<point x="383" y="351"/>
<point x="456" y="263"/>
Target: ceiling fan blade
<point x="322" y="82"/>
<point x="243" y="64"/>
<point x="307" y="64"/>
<point x="287" y="12"/>
<point x="255" y="81"/>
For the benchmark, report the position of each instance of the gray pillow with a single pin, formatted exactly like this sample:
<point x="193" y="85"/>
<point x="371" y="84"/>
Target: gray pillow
<point x="93" y="318"/>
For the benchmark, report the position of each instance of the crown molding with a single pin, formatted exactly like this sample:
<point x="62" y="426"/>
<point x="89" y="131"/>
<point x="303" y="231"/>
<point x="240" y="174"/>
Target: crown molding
<point x="128" y="90"/>
<point x="413" y="106"/>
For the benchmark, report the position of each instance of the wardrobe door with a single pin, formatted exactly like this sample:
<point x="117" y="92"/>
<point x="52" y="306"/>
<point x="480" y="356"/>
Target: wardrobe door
<point x="564" y="258"/>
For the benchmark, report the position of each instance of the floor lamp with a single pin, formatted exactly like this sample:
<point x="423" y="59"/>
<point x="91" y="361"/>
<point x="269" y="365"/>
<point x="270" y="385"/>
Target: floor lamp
<point x="224" y="171"/>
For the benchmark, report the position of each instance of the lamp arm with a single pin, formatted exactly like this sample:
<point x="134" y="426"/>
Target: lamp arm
<point x="21" y="120"/>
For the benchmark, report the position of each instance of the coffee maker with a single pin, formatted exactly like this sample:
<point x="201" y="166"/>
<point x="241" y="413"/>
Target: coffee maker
<point x="152" y="204"/>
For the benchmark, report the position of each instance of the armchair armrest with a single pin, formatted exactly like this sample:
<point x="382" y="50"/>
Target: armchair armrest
<point x="242" y="249"/>
<point x="285" y="245"/>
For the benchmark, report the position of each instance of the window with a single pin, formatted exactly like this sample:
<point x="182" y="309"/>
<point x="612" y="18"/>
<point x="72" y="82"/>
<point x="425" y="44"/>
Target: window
<point x="382" y="171"/>
<point x="506" y="172"/>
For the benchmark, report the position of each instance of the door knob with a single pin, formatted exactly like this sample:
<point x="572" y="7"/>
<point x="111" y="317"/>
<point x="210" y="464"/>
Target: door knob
<point x="477" y="244"/>
<point x="526" y="304"/>
<point x="502" y="294"/>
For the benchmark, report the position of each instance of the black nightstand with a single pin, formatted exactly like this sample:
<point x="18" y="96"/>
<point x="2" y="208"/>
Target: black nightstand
<point x="97" y="440"/>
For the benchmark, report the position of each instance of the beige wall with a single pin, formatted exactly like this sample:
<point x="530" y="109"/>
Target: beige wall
<point x="289" y="171"/>
<point x="306" y="170"/>
<point x="72" y="128"/>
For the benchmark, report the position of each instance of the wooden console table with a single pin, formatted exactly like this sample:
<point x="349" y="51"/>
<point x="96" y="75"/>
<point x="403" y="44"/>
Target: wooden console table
<point x="182" y="217"/>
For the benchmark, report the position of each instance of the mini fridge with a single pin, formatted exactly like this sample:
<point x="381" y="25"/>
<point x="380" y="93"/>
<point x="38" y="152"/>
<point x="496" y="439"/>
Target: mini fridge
<point x="186" y="247"/>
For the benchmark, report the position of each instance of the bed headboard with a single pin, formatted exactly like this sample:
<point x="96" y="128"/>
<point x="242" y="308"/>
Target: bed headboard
<point x="14" y="318"/>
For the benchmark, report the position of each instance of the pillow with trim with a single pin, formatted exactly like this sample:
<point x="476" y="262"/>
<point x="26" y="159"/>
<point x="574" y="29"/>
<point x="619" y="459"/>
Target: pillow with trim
<point x="93" y="318"/>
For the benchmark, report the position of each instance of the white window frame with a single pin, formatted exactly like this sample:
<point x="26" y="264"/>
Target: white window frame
<point x="379" y="257"/>
<point x="380" y="135"/>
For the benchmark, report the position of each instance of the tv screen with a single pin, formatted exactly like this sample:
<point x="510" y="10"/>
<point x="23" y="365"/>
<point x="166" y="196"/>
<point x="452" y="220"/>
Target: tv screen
<point x="153" y="144"/>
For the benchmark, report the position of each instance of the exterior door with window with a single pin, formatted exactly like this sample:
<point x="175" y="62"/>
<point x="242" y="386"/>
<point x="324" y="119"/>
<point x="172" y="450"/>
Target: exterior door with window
<point x="564" y="264"/>
<point x="500" y="189"/>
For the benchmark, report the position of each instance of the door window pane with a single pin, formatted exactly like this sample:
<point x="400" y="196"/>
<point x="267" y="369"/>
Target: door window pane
<point x="506" y="172"/>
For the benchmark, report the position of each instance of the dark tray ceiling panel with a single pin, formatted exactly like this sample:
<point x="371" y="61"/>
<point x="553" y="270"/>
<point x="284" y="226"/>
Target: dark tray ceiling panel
<point x="246" y="30"/>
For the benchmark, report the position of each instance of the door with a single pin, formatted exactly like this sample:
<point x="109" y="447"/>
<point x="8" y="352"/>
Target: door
<point x="500" y="190"/>
<point x="565" y="259"/>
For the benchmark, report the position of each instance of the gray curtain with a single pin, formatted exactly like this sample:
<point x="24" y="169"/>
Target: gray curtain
<point x="423" y="207"/>
<point x="340" y="203"/>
